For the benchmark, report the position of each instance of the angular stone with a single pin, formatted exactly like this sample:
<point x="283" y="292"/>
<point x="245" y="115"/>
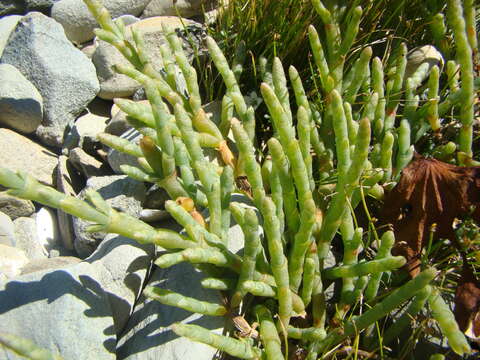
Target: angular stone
<point x="66" y="184"/>
<point x="117" y="158"/>
<point x="86" y="164"/>
<point x="115" y="85"/>
<point x="120" y="192"/>
<point x="7" y="24"/>
<point x="147" y="335"/>
<point x="79" y="23"/>
<point x="62" y="74"/>
<point x="65" y="311"/>
<point x="33" y="159"/>
<point x="26" y="238"/>
<point x="128" y="263"/>
<point x="15" y="207"/>
<point x="119" y="124"/>
<point x="84" y="132"/>
<point x="58" y="262"/>
<point x="20" y="102"/>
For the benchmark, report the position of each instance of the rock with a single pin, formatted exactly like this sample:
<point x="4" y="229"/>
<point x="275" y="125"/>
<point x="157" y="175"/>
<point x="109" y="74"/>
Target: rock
<point x="427" y="55"/>
<point x="63" y="75"/>
<point x="54" y="263"/>
<point x="20" y="102"/>
<point x="15" y="207"/>
<point x="147" y="334"/>
<point x="24" y="6"/>
<point x="33" y="159"/>
<point x="117" y="158"/>
<point x="184" y="8"/>
<point x="7" y="24"/>
<point x="119" y="124"/>
<point x="65" y="311"/>
<point x="7" y="230"/>
<point x="128" y="19"/>
<point x="68" y="185"/>
<point x="47" y="229"/>
<point x="128" y="263"/>
<point x="26" y="236"/>
<point x="11" y="262"/>
<point x="115" y="85"/>
<point x="79" y="23"/>
<point x="84" y="132"/>
<point x="86" y="164"/>
<point x="8" y="7"/>
<point x="154" y="215"/>
<point x="156" y="197"/>
<point x="121" y="193"/>
<point x="89" y="49"/>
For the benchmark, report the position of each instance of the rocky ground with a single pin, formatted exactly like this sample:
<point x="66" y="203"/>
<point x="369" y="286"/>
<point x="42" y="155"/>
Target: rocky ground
<point x="73" y="292"/>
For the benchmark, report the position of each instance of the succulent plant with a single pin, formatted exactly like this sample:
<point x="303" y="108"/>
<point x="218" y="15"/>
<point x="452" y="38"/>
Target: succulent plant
<point x="323" y="159"/>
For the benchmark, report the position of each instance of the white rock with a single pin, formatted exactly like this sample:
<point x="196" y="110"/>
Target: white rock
<point x="11" y="261"/>
<point x="21" y="105"/>
<point x="79" y="23"/>
<point x="7" y="230"/>
<point x="47" y="228"/>
<point x="427" y="56"/>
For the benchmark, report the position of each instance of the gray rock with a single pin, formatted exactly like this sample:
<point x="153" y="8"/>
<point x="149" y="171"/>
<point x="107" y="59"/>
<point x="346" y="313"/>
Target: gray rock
<point x="84" y="132"/>
<point x="58" y="262"/>
<point x="15" y="207"/>
<point x="115" y="85"/>
<point x="147" y="335"/>
<point x="186" y="8"/>
<point x="128" y="263"/>
<point x="33" y="159"/>
<point x="7" y="24"/>
<point x="156" y="197"/>
<point x="79" y="23"/>
<point x="119" y="124"/>
<point x="66" y="311"/>
<point x="11" y="262"/>
<point x="26" y="237"/>
<point x="86" y="164"/>
<point x="63" y="75"/>
<point x="12" y="7"/>
<point x="20" y="102"/>
<point x="25" y="6"/>
<point x="128" y="19"/>
<point x="7" y="230"/>
<point x="66" y="184"/>
<point x="121" y="193"/>
<point x="116" y="158"/>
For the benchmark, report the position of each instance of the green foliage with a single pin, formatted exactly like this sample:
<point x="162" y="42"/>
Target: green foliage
<point x="326" y="154"/>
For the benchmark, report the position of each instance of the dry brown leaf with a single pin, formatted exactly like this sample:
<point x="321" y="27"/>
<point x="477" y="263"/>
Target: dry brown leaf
<point x="433" y="192"/>
<point x="429" y="192"/>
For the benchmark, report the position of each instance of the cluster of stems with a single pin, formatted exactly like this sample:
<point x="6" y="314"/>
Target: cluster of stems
<point x="323" y="160"/>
